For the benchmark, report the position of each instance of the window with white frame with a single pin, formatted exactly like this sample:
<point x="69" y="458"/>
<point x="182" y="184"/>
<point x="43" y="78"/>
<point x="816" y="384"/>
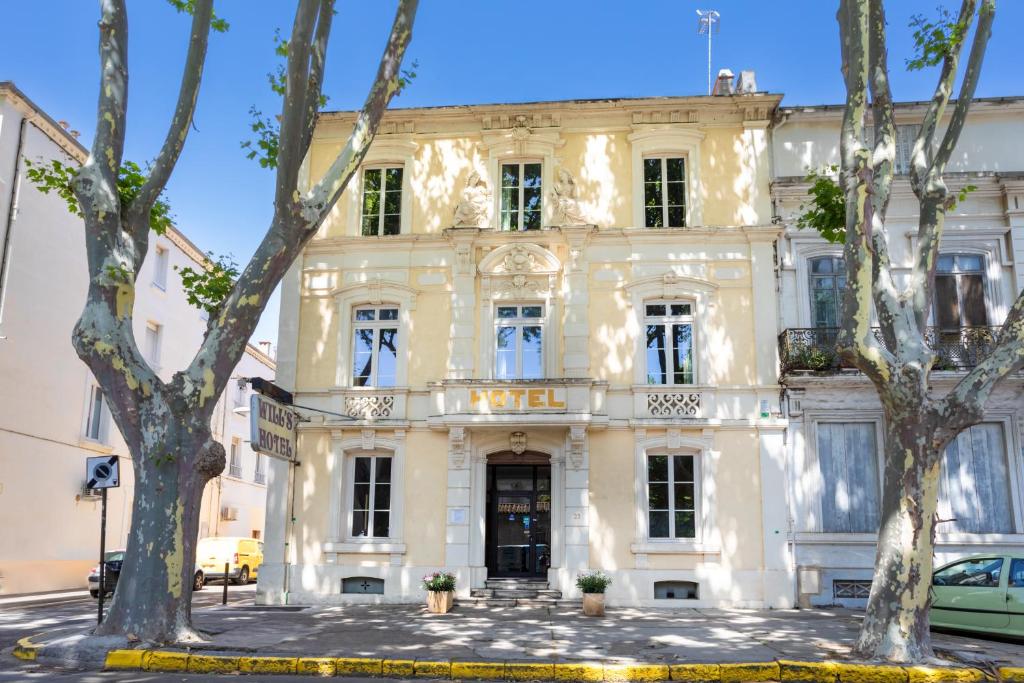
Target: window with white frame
<point x="905" y="136"/>
<point x="382" y="201"/>
<point x="374" y="346"/>
<point x="671" y="496"/>
<point x="519" y="341"/>
<point x="152" y="344"/>
<point x="827" y="283"/>
<point x="669" y="330"/>
<point x="960" y="291"/>
<point x="235" y="458"/>
<point x="160" y="267"/>
<point x="95" y="423"/>
<point x="974" y="494"/>
<point x="521" y="195"/>
<point x="371" y="496"/>
<point x="848" y="471"/>
<point x="260" y="473"/>
<point x="664" y="192"/>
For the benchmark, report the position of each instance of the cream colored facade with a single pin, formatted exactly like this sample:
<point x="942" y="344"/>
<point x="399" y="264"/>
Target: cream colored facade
<point x="445" y="418"/>
<point x="49" y="526"/>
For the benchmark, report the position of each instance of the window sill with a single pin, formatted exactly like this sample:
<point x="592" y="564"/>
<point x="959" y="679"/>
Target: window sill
<point x="379" y="546"/>
<point x="94" y="445"/>
<point x="652" y="547"/>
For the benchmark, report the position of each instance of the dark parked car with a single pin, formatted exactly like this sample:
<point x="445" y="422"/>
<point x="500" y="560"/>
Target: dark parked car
<point x="113" y="560"/>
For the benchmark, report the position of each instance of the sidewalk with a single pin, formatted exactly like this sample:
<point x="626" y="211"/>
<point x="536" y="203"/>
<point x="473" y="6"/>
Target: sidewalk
<point x="502" y="636"/>
<point x="49" y="596"/>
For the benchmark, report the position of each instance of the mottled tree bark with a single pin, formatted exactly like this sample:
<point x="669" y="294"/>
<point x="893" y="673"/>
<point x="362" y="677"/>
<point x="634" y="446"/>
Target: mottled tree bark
<point x="166" y="425"/>
<point x="918" y="424"/>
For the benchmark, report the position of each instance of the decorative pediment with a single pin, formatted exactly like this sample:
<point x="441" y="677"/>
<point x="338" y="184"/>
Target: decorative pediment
<point x="520" y="259"/>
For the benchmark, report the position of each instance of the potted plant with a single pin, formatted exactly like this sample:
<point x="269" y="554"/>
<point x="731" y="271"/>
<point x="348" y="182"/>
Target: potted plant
<point x="593" y="585"/>
<point x="440" y="587"/>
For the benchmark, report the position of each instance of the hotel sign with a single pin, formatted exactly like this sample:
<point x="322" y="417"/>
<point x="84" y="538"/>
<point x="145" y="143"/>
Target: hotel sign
<point x="526" y="399"/>
<point x="272" y="427"/>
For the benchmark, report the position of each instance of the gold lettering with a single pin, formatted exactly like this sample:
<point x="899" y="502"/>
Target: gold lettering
<point x="535" y="398"/>
<point x="498" y="398"/>
<point x="475" y="397"/>
<point x="552" y="403"/>
<point x="516" y="395"/>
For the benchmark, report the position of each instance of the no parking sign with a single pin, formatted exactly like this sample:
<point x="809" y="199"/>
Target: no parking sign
<point x="102" y="472"/>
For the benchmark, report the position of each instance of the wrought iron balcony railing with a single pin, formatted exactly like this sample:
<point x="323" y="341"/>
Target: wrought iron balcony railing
<point x="814" y="349"/>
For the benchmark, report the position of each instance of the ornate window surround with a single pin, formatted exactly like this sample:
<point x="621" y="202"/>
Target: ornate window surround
<point x="684" y="142"/>
<point x="521" y="273"/>
<point x="340" y="463"/>
<point x="671" y="286"/>
<point x="520" y="144"/>
<point x="805" y="253"/>
<point x="384" y="152"/>
<point x="705" y="461"/>
<point x="373" y="293"/>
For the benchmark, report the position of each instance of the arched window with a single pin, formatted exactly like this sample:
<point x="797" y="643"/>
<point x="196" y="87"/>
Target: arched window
<point x="374" y="346"/>
<point x="827" y="283"/>
<point x="669" y="333"/>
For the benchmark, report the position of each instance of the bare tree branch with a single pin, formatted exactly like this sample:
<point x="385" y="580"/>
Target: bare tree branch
<point x="856" y="339"/>
<point x="177" y="131"/>
<point x="318" y="58"/>
<point x="921" y="156"/>
<point x="293" y="109"/>
<point x="108" y="144"/>
<point x="323" y="196"/>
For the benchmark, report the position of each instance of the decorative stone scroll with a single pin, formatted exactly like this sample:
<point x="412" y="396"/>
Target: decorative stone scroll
<point x="674" y="404"/>
<point x="457" y="445"/>
<point x="369" y="407"/>
<point x="577" y="441"/>
<point x="517" y="442"/>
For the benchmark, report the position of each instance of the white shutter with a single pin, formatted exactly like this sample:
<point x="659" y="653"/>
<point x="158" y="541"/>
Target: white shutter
<point x="974" y="489"/>
<point x="848" y="467"/>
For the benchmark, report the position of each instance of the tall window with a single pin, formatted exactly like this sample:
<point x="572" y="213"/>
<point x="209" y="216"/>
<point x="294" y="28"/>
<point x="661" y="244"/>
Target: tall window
<point x="960" y="291"/>
<point x="235" y="459"/>
<point x="671" y="496"/>
<point x="152" y="344"/>
<point x="160" y="268"/>
<point x="375" y="346"/>
<point x="519" y="352"/>
<point x="848" y="466"/>
<point x="669" y="342"/>
<point x="520" y="196"/>
<point x="975" y="490"/>
<point x="371" y="496"/>
<point x="260" y="474"/>
<point x="382" y="201"/>
<point x="905" y="136"/>
<point x="828" y="280"/>
<point x="665" y="192"/>
<point x="94" y="423"/>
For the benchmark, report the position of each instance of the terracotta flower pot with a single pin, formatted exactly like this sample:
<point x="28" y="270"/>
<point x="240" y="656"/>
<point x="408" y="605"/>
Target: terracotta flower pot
<point x="593" y="604"/>
<point x="440" y="602"/>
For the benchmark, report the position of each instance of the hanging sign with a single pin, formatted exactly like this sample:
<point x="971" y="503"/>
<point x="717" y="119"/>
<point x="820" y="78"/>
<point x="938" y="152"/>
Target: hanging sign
<point x="272" y="427"/>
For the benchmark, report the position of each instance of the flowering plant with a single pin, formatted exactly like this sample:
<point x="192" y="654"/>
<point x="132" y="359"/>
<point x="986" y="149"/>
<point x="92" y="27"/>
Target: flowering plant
<point x="593" y="582"/>
<point x="439" y="582"/>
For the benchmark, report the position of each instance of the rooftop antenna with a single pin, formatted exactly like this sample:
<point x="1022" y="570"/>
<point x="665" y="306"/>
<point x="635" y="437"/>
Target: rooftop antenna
<point x="708" y="23"/>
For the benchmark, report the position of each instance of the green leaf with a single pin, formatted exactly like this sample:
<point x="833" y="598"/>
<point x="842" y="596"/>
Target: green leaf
<point x="825" y="211"/>
<point x="935" y="39"/>
<point x="207" y="288"/>
<point x="189" y="7"/>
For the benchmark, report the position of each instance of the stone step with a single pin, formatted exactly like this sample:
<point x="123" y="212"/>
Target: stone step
<point x="515" y="593"/>
<point x="516" y="584"/>
<point x="517" y="602"/>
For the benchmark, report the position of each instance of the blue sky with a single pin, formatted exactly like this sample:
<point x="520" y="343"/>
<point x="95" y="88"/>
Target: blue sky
<point x="468" y="52"/>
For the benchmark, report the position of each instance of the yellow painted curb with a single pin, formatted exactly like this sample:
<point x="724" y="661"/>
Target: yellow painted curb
<point x="742" y="672"/>
<point x="212" y="664"/>
<point x="582" y="671"/>
<point x="432" y="669"/>
<point x="316" y="666"/>
<point x="478" y="670"/>
<point x="808" y="672"/>
<point x="398" y="667"/>
<point x="1012" y="674"/>
<point x="935" y="674"/>
<point x="267" y="665"/>
<point x="357" y="666"/>
<point x="26" y="650"/>
<point x="695" y="673"/>
<point x="124" y="659"/>
<point x="157" y="660"/>
<point x="636" y="672"/>
<point x="529" y="671"/>
<point x="871" y="673"/>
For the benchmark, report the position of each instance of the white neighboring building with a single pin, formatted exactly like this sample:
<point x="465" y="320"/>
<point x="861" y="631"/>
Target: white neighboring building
<point x="834" y="439"/>
<point x="51" y="415"/>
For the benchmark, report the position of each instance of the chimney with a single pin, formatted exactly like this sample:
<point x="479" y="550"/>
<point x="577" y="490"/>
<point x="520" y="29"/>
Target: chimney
<point x="746" y="84"/>
<point x="266" y="348"/>
<point x="723" y="84"/>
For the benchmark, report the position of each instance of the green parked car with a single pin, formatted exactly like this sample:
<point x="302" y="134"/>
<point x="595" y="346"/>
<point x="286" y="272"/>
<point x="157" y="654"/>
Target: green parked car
<point x="983" y="593"/>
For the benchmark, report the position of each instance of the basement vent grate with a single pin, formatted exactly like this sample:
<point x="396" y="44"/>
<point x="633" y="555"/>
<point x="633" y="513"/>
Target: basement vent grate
<point x="851" y="588"/>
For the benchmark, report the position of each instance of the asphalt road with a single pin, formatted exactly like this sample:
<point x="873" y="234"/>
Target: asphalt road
<point x="18" y="621"/>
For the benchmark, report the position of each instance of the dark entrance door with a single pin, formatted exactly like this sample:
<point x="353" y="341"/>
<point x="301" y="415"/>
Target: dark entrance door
<point x="518" y="520"/>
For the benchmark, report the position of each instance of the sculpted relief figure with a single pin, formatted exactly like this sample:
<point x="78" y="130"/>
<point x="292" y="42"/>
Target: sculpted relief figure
<point x="566" y="198"/>
<point x="471" y="211"/>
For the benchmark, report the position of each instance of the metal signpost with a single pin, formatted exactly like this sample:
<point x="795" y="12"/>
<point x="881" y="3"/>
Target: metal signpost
<point x="102" y="472"/>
